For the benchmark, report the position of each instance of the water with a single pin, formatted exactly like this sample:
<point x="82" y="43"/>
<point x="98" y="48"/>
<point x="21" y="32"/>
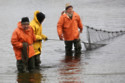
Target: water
<point x="103" y="65"/>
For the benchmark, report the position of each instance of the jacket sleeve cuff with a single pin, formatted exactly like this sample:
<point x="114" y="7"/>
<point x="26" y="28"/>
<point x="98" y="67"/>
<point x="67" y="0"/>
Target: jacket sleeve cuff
<point x="38" y="37"/>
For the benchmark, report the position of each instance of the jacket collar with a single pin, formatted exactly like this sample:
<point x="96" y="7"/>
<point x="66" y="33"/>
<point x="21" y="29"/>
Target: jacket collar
<point x="65" y="15"/>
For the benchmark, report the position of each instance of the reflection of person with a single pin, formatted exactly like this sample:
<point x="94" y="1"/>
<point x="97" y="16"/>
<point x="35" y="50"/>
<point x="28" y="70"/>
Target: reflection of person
<point x="68" y="29"/>
<point x="36" y="24"/>
<point x="29" y="77"/>
<point x="72" y="58"/>
<point x="71" y="70"/>
<point x="22" y="40"/>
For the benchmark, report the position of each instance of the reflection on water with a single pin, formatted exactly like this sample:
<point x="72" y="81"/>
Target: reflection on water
<point x="35" y="77"/>
<point x="71" y="70"/>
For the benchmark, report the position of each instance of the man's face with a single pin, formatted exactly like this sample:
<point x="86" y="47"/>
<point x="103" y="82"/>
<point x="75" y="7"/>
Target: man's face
<point x="42" y="21"/>
<point x="69" y="10"/>
<point x="25" y="26"/>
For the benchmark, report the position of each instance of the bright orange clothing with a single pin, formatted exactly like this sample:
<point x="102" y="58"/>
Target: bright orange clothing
<point x="19" y="36"/>
<point x="69" y="28"/>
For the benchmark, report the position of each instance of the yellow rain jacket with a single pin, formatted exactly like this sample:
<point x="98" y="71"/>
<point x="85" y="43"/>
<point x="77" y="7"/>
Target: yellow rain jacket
<point x="37" y="27"/>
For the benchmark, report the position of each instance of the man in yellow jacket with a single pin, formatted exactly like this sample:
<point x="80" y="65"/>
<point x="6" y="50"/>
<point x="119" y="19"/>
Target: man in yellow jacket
<point x="36" y="24"/>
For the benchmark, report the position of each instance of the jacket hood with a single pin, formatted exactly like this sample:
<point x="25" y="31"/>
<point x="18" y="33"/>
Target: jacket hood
<point x="19" y="25"/>
<point x="35" y="16"/>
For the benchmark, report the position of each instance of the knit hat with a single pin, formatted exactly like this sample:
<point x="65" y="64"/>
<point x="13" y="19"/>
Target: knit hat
<point x="40" y="17"/>
<point x="68" y="6"/>
<point x="25" y="20"/>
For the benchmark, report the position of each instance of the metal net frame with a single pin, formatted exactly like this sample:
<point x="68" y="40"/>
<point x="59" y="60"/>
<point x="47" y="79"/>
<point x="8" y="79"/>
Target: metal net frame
<point x="97" y="38"/>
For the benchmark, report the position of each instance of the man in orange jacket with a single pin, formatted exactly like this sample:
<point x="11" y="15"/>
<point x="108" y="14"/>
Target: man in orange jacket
<point x="22" y="42"/>
<point x="69" y="28"/>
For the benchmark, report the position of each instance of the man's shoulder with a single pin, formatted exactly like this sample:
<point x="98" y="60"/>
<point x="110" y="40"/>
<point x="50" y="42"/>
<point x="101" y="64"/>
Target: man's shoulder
<point x="32" y="22"/>
<point x="63" y="15"/>
<point x="16" y="30"/>
<point x="76" y="13"/>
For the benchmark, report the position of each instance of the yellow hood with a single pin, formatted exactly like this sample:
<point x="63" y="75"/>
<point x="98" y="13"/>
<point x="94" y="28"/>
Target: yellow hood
<point x="35" y="16"/>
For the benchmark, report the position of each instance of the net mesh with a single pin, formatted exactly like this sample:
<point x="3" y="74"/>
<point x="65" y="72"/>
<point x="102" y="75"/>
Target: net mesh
<point x="97" y="38"/>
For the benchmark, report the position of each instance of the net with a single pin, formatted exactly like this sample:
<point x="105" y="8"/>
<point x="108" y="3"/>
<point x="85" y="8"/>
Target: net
<point x="97" y="38"/>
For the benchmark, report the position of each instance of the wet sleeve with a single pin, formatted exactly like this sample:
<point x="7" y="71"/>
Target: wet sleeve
<point x="15" y="41"/>
<point x="60" y="25"/>
<point x="80" y="25"/>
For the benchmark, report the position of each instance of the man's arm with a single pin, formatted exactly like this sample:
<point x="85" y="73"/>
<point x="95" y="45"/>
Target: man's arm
<point x="34" y="37"/>
<point x="44" y="37"/>
<point x="60" y="27"/>
<point x="80" y="25"/>
<point x="15" y="41"/>
<point x="38" y="37"/>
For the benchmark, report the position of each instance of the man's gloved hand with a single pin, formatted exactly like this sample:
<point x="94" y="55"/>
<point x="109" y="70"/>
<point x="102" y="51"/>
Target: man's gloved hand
<point x="61" y="37"/>
<point x="40" y="40"/>
<point x="45" y="39"/>
<point x="81" y="30"/>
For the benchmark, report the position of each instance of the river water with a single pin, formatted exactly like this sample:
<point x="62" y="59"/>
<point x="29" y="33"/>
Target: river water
<point x="103" y="65"/>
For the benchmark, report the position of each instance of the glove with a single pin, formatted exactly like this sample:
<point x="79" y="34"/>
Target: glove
<point x="61" y="37"/>
<point x="81" y="30"/>
<point x="40" y="40"/>
<point x="45" y="39"/>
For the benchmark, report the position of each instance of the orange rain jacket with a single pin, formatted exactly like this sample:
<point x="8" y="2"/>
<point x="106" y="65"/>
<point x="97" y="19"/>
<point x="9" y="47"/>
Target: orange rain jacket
<point x="69" y="28"/>
<point x="19" y="36"/>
